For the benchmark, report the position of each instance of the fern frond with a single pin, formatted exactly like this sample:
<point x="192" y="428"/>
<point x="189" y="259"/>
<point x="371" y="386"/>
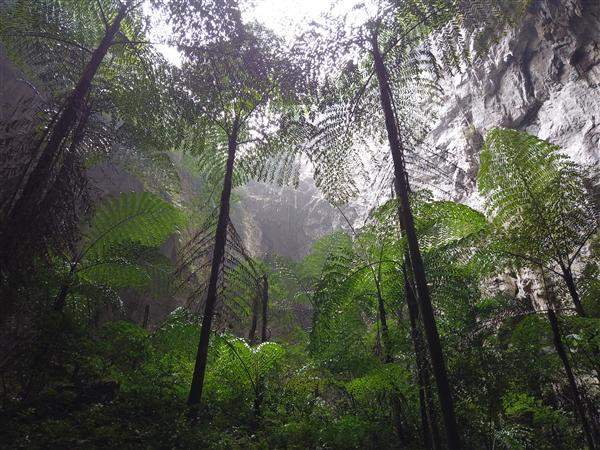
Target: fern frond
<point x="536" y="196"/>
<point x="140" y="218"/>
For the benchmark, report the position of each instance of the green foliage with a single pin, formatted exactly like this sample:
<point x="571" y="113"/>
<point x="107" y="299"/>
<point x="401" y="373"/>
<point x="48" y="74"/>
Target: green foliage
<point x="536" y="197"/>
<point x="381" y="381"/>
<point x="119" y="246"/>
<point x="520" y="405"/>
<point x="238" y="369"/>
<point x="141" y="218"/>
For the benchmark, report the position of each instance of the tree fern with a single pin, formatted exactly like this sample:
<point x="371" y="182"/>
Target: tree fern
<point x="140" y="218"/>
<point x="541" y="209"/>
<point x="379" y="71"/>
<point x="118" y="247"/>
<point x="51" y="42"/>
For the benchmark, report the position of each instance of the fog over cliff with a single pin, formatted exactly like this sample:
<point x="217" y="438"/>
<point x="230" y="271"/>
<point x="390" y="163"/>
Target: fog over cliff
<point x="542" y="77"/>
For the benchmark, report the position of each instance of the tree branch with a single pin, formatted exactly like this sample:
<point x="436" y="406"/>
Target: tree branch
<point x="52" y="38"/>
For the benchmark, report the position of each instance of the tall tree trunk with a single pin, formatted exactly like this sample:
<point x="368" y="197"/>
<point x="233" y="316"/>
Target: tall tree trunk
<point x="431" y="433"/>
<point x="259" y="394"/>
<point x="255" y="306"/>
<point x="570" y="282"/>
<point x="406" y="219"/>
<point x="387" y="357"/>
<point x="567" y="275"/>
<point x="211" y="295"/>
<point x="562" y="354"/>
<point x="385" y="332"/>
<point x="265" y="309"/>
<point x="61" y="298"/>
<point x="146" y="316"/>
<point x="35" y="186"/>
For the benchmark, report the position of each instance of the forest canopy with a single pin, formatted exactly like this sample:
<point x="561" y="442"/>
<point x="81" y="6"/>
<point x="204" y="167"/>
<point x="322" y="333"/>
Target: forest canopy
<point x="140" y="306"/>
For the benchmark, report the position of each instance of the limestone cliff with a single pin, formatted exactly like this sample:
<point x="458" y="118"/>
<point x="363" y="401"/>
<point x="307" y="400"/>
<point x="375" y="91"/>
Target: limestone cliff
<point x="542" y="77"/>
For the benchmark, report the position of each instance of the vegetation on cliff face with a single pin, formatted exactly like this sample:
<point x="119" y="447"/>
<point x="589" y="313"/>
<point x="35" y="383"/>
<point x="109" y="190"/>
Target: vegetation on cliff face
<point x="402" y="331"/>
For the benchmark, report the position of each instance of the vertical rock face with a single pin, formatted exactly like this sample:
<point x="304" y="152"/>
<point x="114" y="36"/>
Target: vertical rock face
<point x="542" y="77"/>
<point x="284" y="221"/>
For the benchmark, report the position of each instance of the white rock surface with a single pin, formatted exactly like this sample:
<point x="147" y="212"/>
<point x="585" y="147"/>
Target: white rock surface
<point x="542" y="77"/>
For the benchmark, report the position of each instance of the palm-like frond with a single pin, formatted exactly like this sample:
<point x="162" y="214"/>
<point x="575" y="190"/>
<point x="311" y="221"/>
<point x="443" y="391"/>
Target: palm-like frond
<point x="130" y="267"/>
<point x="536" y="196"/>
<point x="236" y="362"/>
<point x="238" y="278"/>
<point x="119" y="246"/>
<point x="140" y="218"/>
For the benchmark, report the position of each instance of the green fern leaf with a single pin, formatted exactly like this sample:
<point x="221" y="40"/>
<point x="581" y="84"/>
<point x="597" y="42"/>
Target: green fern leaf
<point x="141" y="218"/>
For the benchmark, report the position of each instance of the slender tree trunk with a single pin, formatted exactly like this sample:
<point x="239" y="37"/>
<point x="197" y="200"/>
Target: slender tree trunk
<point x="255" y="307"/>
<point x="570" y="282"/>
<point x="387" y="357"/>
<point x="146" y="316"/>
<point x="265" y="308"/>
<point x="37" y="184"/>
<point x="195" y="394"/>
<point x="259" y="394"/>
<point x="406" y="219"/>
<point x="385" y="332"/>
<point x="567" y="275"/>
<point x="61" y="298"/>
<point x="562" y="354"/>
<point x="431" y="433"/>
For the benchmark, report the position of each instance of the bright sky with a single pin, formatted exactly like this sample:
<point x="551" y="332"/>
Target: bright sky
<point x="286" y="17"/>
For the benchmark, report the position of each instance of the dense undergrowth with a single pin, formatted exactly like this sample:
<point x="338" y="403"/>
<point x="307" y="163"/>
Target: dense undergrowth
<point x="121" y="387"/>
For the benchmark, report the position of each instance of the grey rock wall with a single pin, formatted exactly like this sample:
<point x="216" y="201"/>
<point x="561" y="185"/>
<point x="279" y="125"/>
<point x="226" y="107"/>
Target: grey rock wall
<point x="542" y="77"/>
<point x="285" y="221"/>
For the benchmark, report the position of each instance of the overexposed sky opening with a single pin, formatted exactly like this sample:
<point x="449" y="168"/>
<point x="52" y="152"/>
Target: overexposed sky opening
<point x="287" y="18"/>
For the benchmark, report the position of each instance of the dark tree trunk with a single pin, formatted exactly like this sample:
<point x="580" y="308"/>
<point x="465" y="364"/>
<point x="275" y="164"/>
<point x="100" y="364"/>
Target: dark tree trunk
<point x="570" y="282"/>
<point x="562" y="354"/>
<point x="255" y="306"/>
<point x="265" y="309"/>
<point x="406" y="219"/>
<point x="259" y="393"/>
<point x="61" y="298"/>
<point x="397" y="418"/>
<point x="385" y="333"/>
<point x="431" y="433"/>
<point x="146" y="316"/>
<point x="387" y="358"/>
<point x="37" y="184"/>
<point x="211" y="295"/>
